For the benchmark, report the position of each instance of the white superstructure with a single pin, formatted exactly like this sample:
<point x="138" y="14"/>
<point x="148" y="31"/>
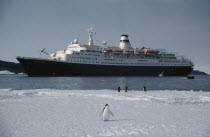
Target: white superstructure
<point x="124" y="55"/>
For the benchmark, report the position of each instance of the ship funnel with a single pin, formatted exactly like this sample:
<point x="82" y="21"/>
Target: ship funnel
<point x="124" y="42"/>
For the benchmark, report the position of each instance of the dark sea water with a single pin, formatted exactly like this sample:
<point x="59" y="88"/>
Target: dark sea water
<point x="19" y="82"/>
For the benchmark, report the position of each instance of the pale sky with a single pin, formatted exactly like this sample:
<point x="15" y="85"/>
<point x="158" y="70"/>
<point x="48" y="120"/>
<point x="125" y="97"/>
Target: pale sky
<point x="180" y="26"/>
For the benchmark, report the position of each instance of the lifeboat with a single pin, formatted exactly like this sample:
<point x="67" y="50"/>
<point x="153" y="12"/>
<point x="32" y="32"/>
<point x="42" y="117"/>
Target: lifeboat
<point x="151" y="52"/>
<point x="128" y="52"/>
<point x="115" y="51"/>
<point x="139" y="52"/>
<point x="112" y="51"/>
<point x="107" y="50"/>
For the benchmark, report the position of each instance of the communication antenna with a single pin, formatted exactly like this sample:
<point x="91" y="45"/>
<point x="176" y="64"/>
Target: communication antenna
<point x="43" y="51"/>
<point x="90" y="35"/>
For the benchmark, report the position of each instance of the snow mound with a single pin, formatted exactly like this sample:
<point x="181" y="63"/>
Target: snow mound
<point x="6" y="72"/>
<point x="21" y="73"/>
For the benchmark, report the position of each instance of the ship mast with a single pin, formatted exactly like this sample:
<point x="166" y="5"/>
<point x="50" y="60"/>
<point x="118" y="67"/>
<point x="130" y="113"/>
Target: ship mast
<point x="90" y="35"/>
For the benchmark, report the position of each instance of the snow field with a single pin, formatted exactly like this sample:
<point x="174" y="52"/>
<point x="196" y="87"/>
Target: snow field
<point x="75" y="113"/>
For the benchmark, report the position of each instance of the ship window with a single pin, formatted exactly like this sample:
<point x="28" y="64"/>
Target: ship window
<point x="124" y="40"/>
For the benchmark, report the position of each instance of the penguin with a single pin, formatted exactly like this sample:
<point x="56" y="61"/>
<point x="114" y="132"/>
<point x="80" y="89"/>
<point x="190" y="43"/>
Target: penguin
<point x="106" y="113"/>
<point x="145" y="88"/>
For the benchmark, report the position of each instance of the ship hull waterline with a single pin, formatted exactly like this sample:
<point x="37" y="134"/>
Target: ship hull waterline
<point x="35" y="67"/>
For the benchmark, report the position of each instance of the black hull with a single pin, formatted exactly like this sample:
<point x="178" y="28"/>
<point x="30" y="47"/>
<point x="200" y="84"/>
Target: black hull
<point x="35" y="67"/>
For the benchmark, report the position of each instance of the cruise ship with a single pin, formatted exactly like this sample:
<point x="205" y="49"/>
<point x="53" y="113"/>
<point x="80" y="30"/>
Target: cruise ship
<point x="92" y="60"/>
